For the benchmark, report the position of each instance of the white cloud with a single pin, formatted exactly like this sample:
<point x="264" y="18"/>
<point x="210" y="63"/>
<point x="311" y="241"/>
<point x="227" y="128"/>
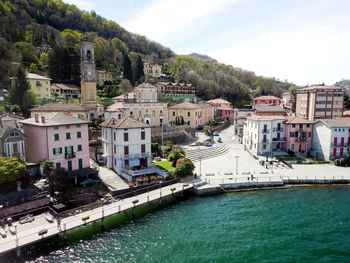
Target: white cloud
<point x="165" y="17"/>
<point x="87" y="5"/>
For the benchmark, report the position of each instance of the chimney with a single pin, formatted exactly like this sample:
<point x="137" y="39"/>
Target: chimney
<point x="36" y="117"/>
<point x="43" y="119"/>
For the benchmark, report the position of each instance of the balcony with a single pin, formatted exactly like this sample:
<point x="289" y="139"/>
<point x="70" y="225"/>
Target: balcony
<point x="70" y="155"/>
<point x="280" y="139"/>
<point x="302" y="139"/>
<point x="280" y="129"/>
<point x="136" y="156"/>
<point x="344" y="145"/>
<point x="265" y="131"/>
<point x="265" y="141"/>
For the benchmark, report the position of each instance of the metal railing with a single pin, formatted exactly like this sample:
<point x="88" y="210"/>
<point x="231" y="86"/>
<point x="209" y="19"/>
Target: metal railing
<point x="265" y="130"/>
<point x="280" y="139"/>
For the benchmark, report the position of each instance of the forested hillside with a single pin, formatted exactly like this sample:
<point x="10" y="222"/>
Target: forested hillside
<point x="27" y="25"/>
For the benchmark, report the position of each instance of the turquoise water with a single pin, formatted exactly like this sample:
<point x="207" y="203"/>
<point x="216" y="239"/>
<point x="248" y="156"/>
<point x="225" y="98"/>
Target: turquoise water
<point x="287" y="225"/>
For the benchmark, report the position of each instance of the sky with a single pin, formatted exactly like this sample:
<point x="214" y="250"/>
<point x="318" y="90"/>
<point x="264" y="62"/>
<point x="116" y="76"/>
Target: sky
<point x="303" y="41"/>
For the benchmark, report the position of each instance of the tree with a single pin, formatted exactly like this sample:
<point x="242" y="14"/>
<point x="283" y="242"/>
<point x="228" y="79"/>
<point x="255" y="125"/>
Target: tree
<point x="139" y="69"/>
<point x="127" y="69"/>
<point x="11" y="169"/>
<point x="347" y="102"/>
<point x="125" y="86"/>
<point x="19" y="89"/>
<point x="184" y="168"/>
<point x="33" y="68"/>
<point x="175" y="154"/>
<point x="47" y="166"/>
<point x="60" y="181"/>
<point x="44" y="61"/>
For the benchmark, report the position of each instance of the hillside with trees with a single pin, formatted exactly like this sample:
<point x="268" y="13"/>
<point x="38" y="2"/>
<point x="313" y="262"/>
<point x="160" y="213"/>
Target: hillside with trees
<point x="28" y="27"/>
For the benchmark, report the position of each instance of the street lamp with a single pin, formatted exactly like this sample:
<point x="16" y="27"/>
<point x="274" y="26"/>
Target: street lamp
<point x="200" y="166"/>
<point x="236" y="163"/>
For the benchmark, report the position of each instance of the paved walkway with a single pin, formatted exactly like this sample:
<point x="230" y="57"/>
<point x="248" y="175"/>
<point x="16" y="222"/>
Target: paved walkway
<point x="111" y="179"/>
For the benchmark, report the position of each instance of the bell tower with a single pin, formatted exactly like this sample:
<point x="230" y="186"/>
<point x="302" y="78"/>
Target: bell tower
<point x="87" y="69"/>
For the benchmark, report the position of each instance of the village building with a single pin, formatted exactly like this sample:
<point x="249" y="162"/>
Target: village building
<point x="153" y="67"/>
<point x="102" y="76"/>
<point x="192" y="114"/>
<point x="125" y="97"/>
<point x="9" y="117"/>
<point x="298" y="133"/>
<point x="176" y="90"/>
<point x="287" y="98"/>
<point x="319" y="102"/>
<point x="267" y="100"/>
<point x="127" y="147"/>
<point x="39" y="84"/>
<point x="66" y="91"/>
<point x="222" y="108"/>
<point x="331" y="139"/>
<point x="143" y="106"/>
<point x="76" y="110"/>
<point x="59" y="138"/>
<point x="264" y="135"/>
<point x="240" y="116"/>
<point x="11" y="139"/>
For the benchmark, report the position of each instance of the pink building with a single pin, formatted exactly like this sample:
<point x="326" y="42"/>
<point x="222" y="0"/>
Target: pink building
<point x="267" y="100"/>
<point x="298" y="133"/>
<point x="222" y="109"/>
<point x="58" y="137"/>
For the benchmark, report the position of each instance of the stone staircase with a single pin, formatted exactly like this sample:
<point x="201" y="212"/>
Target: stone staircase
<point x="206" y="153"/>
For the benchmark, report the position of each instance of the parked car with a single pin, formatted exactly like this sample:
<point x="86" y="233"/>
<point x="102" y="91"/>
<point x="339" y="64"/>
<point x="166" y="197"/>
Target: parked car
<point x="215" y="133"/>
<point x="208" y="144"/>
<point x="42" y="232"/>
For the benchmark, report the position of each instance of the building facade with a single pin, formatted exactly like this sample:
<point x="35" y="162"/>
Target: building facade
<point x="176" y="90"/>
<point x="298" y="133"/>
<point x="40" y="85"/>
<point x="152" y="69"/>
<point x="222" y="108"/>
<point x="331" y="139"/>
<point x="267" y="100"/>
<point x="66" y="91"/>
<point x="264" y="135"/>
<point x="127" y="147"/>
<point x="240" y="117"/>
<point x="57" y="137"/>
<point x="266" y="110"/>
<point x="11" y="139"/>
<point x="102" y="76"/>
<point x="320" y="102"/>
<point x="192" y="114"/>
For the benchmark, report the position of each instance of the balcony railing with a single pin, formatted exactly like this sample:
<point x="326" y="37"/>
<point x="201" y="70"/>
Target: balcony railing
<point x="302" y="139"/>
<point x="280" y="129"/>
<point x="280" y="139"/>
<point x="340" y="144"/>
<point x="265" y="131"/>
<point x="136" y="156"/>
<point x="70" y="155"/>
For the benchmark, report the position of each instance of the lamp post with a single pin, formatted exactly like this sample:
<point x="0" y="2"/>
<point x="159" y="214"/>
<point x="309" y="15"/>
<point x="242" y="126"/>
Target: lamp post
<point x="236" y="163"/>
<point x="200" y="166"/>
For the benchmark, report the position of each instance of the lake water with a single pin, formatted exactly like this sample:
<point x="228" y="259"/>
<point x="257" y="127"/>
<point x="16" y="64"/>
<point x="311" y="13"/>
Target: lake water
<point x="288" y="225"/>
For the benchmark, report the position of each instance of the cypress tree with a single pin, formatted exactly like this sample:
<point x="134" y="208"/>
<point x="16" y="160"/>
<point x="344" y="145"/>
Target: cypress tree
<point x="19" y="88"/>
<point x="139" y="69"/>
<point x="127" y="69"/>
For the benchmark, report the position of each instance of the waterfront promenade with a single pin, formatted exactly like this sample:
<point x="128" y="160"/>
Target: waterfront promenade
<point x="25" y="234"/>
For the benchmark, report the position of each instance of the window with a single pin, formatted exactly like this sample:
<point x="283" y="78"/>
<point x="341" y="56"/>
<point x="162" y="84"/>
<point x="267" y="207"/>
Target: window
<point x="293" y="125"/>
<point x="264" y="146"/>
<point x="67" y="126"/>
<point x="57" y="137"/>
<point x="78" y="125"/>
<point x="143" y="148"/>
<point x="308" y="125"/>
<point x="173" y="113"/>
<point x="79" y="148"/>
<point x="115" y="149"/>
<point x="143" y="136"/>
<point x="126" y="150"/>
<point x="58" y="165"/>
<point x="67" y="135"/>
<point x="15" y="148"/>
<point x="188" y="114"/>
<point x="126" y="137"/>
<point x="57" y="150"/>
<point x="113" y="136"/>
<point x="126" y="163"/>
<point x="188" y="123"/>
<point x="292" y="147"/>
<point x="80" y="163"/>
<point x="55" y="128"/>
<point x="79" y="117"/>
<point x="78" y="134"/>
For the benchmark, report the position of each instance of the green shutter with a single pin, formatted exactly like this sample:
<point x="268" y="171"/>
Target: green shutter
<point x="79" y="148"/>
<point x="60" y="150"/>
<point x="72" y="150"/>
<point x="79" y="134"/>
<point x="69" y="166"/>
<point x="54" y="151"/>
<point x="80" y="163"/>
<point x="58" y="165"/>
<point x="65" y="151"/>
<point x="68" y="135"/>
<point x="57" y="137"/>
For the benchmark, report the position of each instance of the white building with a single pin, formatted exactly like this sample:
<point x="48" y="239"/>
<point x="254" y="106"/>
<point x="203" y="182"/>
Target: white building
<point x="331" y="139"/>
<point x="239" y="117"/>
<point x="127" y="147"/>
<point x="264" y="135"/>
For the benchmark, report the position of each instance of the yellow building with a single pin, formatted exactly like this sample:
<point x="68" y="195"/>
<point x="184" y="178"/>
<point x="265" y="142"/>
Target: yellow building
<point x="191" y="113"/>
<point x="102" y="76"/>
<point x="154" y="70"/>
<point x="40" y="85"/>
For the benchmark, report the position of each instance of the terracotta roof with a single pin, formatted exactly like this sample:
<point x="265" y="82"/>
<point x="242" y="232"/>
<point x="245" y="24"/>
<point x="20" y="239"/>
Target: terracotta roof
<point x="146" y="85"/>
<point x="265" y="118"/>
<point x="130" y="95"/>
<point x="267" y="108"/>
<point x="185" y="105"/>
<point x="124" y="123"/>
<point x="54" y="119"/>
<point x="65" y="86"/>
<point x="297" y="120"/>
<point x="218" y="101"/>
<point x="36" y="76"/>
<point x="118" y="106"/>
<point x="60" y="107"/>
<point x="336" y="123"/>
<point x="267" y="98"/>
<point x="320" y="87"/>
<point x="175" y="84"/>
<point x="225" y="107"/>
